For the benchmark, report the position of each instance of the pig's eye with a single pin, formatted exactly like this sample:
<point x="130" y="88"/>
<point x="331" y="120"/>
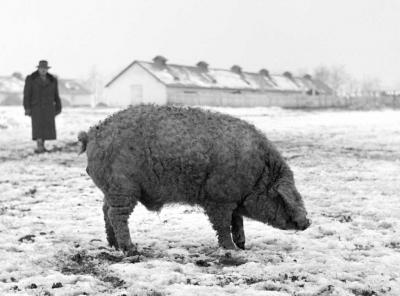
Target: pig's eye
<point x="276" y="196"/>
<point x="282" y="199"/>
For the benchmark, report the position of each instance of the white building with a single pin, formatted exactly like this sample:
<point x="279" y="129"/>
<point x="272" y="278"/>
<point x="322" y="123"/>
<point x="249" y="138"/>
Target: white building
<point x="161" y="83"/>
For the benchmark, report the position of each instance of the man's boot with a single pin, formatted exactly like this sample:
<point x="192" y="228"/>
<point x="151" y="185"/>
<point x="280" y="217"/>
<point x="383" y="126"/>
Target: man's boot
<point x="40" y="146"/>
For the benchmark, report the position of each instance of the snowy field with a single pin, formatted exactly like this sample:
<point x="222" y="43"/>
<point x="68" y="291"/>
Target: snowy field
<point x="346" y="165"/>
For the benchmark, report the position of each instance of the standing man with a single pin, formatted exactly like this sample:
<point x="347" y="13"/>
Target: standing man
<point x="42" y="103"/>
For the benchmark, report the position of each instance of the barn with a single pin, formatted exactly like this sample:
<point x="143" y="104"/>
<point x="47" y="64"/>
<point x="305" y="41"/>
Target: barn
<point x="162" y="83"/>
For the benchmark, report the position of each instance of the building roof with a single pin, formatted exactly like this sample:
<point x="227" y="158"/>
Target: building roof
<point x="11" y="84"/>
<point x="322" y="87"/>
<point x="173" y="75"/>
<point x="72" y="87"/>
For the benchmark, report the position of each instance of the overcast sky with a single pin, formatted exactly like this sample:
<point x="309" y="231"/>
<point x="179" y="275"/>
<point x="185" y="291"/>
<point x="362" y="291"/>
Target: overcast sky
<point x="294" y="35"/>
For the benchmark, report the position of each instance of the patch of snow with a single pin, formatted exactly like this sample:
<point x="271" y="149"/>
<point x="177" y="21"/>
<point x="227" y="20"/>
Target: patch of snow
<point x="346" y="166"/>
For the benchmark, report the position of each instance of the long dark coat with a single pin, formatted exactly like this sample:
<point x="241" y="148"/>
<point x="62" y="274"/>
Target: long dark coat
<point x="42" y="101"/>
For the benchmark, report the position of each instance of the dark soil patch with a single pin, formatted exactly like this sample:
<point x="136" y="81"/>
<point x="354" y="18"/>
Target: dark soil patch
<point x="393" y="245"/>
<point x="342" y="218"/>
<point x="109" y="257"/>
<point x="68" y="147"/>
<point x="231" y="261"/>
<point x="27" y="238"/>
<point x="57" y="285"/>
<point x="202" y="263"/>
<point x="95" y="265"/>
<point x="358" y="292"/>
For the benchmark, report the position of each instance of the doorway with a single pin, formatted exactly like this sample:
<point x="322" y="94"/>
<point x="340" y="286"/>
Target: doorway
<point x="136" y="94"/>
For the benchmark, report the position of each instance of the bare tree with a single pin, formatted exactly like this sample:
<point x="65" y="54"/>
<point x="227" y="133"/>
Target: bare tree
<point x="352" y="87"/>
<point x="370" y="85"/>
<point x="95" y="84"/>
<point x="336" y="77"/>
<point x="322" y="73"/>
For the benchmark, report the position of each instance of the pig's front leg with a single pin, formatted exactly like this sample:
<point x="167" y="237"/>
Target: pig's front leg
<point x="238" y="230"/>
<point x="220" y="216"/>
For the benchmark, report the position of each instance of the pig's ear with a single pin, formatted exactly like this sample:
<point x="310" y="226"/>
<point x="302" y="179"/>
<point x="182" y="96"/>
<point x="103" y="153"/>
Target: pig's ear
<point x="285" y="191"/>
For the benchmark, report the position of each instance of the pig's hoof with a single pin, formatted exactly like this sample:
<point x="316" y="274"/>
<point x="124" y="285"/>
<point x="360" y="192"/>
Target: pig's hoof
<point x="131" y="252"/>
<point x="132" y="259"/>
<point x="240" y="245"/>
<point x="228" y="246"/>
<point x="115" y="245"/>
<point x="112" y="242"/>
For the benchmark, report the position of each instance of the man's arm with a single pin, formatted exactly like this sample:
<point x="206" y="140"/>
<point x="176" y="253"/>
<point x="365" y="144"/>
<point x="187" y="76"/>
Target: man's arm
<point x="57" y="100"/>
<point x="27" y="96"/>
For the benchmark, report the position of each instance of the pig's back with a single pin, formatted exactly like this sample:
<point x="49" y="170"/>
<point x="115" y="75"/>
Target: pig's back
<point x="184" y="154"/>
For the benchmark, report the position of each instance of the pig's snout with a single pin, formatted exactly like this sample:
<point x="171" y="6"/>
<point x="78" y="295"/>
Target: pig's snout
<point x="303" y="225"/>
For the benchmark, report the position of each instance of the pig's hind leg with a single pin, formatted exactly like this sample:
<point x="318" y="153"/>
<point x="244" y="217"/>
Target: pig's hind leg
<point x="119" y="208"/>
<point x="238" y="230"/>
<point x="112" y="241"/>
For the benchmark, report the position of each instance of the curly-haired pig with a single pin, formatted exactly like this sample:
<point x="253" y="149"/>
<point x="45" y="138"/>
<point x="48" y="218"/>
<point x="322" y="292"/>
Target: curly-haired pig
<point x="159" y="155"/>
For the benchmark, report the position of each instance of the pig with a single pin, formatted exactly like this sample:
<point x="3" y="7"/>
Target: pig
<point x="159" y="155"/>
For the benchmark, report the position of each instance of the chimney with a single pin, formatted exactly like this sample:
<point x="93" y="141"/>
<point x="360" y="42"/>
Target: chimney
<point x="236" y="69"/>
<point x="289" y="75"/>
<point x="203" y="66"/>
<point x="160" y="61"/>
<point x="264" y="72"/>
<point x="312" y="91"/>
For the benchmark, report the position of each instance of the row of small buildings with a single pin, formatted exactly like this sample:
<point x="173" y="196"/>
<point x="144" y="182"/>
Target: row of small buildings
<point x="164" y="83"/>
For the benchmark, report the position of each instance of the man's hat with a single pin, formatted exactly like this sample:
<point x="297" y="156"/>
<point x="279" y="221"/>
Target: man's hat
<point x="43" y="64"/>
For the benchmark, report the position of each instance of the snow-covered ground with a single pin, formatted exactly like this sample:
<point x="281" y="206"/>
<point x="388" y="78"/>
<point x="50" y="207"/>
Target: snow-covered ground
<point x="346" y="165"/>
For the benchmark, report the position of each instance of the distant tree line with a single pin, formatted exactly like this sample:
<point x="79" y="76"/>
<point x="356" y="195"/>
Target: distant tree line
<point x="345" y="84"/>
